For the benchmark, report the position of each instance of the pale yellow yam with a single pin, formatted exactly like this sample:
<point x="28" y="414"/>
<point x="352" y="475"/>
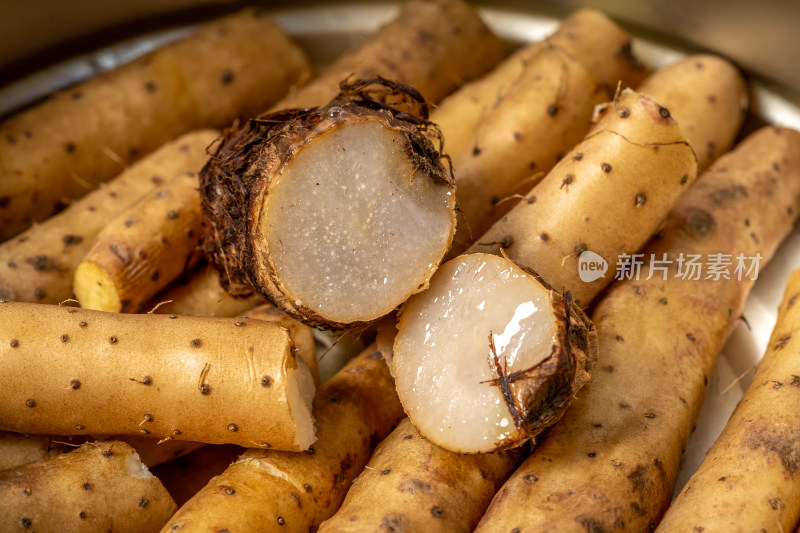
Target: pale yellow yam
<point x="410" y="484"/>
<point x="57" y="151"/>
<point x="17" y="449"/>
<point x="607" y="196"/>
<point x="99" y="487"/>
<point x="213" y="380"/>
<point x="142" y="249"/>
<point x="614" y="457"/>
<point x="265" y="490"/>
<point x="38" y="266"/>
<point x="707" y="95"/>
<point x="748" y="479"/>
<point x="433" y="45"/>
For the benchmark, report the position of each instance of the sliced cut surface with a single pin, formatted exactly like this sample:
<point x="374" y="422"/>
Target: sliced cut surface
<point x="354" y="224"/>
<point x="481" y="358"/>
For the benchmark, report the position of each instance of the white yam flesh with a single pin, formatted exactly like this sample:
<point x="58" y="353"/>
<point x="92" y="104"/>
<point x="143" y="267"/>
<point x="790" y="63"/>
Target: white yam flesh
<point x="353" y="226"/>
<point x="443" y="362"/>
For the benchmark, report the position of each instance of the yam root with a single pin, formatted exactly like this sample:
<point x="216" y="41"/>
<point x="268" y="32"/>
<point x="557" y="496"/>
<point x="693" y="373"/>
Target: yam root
<point x="18" y="449"/>
<point x="748" y="479"/>
<point x="606" y="197"/>
<point x="275" y="491"/>
<point x="96" y="488"/>
<point x="337" y="214"/>
<point x="433" y="45"/>
<point x="707" y="95"/>
<point x="505" y="131"/>
<point x="186" y="476"/>
<point x="614" y="457"/>
<point x="57" y="151"/>
<point x="200" y="379"/>
<point x="410" y="484"/>
<point x="142" y="249"/>
<point x="489" y="356"/>
<point x="38" y="266"/>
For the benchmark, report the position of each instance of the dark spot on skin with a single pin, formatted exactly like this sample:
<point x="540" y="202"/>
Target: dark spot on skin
<point x="684" y="179"/>
<point x="624" y="112"/>
<point x="233" y="428"/>
<point x="121" y="252"/>
<point x="795" y="381"/>
<point x="226" y="77"/>
<point x="14" y="343"/>
<point x="69" y="147"/>
<point x="107" y="454"/>
<point x="130" y="222"/>
<point x="530" y="478"/>
<point x="591" y="455"/>
<point x="26" y="523"/>
<point x="196" y="343"/>
<point x="705" y="380"/>
<point x="176" y="432"/>
<point x="476" y="151"/>
<point x="620" y="338"/>
<point x="150" y="87"/>
<point x="590" y="524"/>
<point x="544" y="237"/>
<point x="578" y="156"/>
<point x="30" y="403"/>
<point x="229" y="491"/>
<point x="640" y="199"/>
<point x="12" y="265"/>
<point x="606" y="168"/>
<point x="624" y="405"/>
<point x="71" y="239"/>
<point x="608" y="368"/>
<point x="691" y="337"/>
<point x="311" y="451"/>
<point x="552" y="110"/>
<point x="266" y="381"/>
<point x="155" y="275"/>
<point x="700" y="223"/>
<point x="517" y="136"/>
<point x="662" y="301"/>
<point x="75" y="384"/>
<point x="649" y="415"/>
<point x="437" y="512"/>
<point x="568" y="179"/>
<point x="393" y="523"/>
<point x="113" y="339"/>
<point x="775" y="503"/>
<point x="87" y="486"/>
<point x="723" y="478"/>
<point x="172" y="215"/>
<point x="173" y="317"/>
<point x="781" y="343"/>
<point x="711" y="149"/>
<point x="775" y="166"/>
<point x="579" y="248"/>
<point x="26" y="491"/>
<point x="157" y="180"/>
<point x="414" y="485"/>
<point x="39" y="262"/>
<point x="133" y="152"/>
<point x="80" y="427"/>
<point x="144" y="431"/>
<point x="664" y="112"/>
<point x="532" y="165"/>
<point x="495" y="200"/>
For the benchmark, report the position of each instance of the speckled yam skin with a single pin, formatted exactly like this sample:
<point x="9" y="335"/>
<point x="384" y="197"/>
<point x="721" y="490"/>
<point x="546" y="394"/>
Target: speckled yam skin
<point x="612" y="462"/>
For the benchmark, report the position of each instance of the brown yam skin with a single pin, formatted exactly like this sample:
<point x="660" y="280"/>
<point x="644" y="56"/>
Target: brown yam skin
<point x="411" y="484"/>
<point x="201" y="294"/>
<point x="613" y="459"/>
<point x="433" y="45"/>
<point x="90" y="489"/>
<point x="57" y="151"/>
<point x="608" y="196"/>
<point x="38" y="266"/>
<point x="302" y="336"/>
<point x="748" y="481"/>
<point x="275" y="491"/>
<point x="80" y="372"/>
<point x="186" y="476"/>
<point x="707" y="95"/>
<point x="145" y="247"/>
<point x="249" y="160"/>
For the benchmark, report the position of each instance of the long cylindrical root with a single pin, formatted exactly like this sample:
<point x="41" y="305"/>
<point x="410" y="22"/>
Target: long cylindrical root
<point x="338" y="213"/>
<point x="143" y="249"/>
<point x="615" y="455"/>
<point x="605" y="198"/>
<point x="98" y="487"/>
<point x="38" y="266"/>
<point x="748" y="479"/>
<point x="433" y="45"/>
<point x="410" y="484"/>
<point x="186" y="378"/>
<point x="55" y="152"/>
<point x="275" y="491"/>
<point x="489" y="356"/>
<point x="505" y="131"/>
<point x="707" y="95"/>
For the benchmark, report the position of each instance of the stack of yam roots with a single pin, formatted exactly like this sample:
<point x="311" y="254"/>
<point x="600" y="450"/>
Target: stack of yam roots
<point x="562" y="242"/>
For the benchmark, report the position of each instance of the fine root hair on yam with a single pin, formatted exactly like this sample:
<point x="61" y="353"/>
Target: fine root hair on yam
<point x="279" y="491"/>
<point x="489" y="356"/>
<point x="418" y="486"/>
<point x="142" y="249"/>
<point x="59" y="150"/>
<point x="212" y="380"/>
<point x="100" y="486"/>
<point x="38" y="266"/>
<point x="337" y="214"/>
<point x="659" y="337"/>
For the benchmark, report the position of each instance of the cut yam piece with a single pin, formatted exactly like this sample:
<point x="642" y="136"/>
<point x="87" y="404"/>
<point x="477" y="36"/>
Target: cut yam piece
<point x="337" y="214"/>
<point x="489" y="355"/>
